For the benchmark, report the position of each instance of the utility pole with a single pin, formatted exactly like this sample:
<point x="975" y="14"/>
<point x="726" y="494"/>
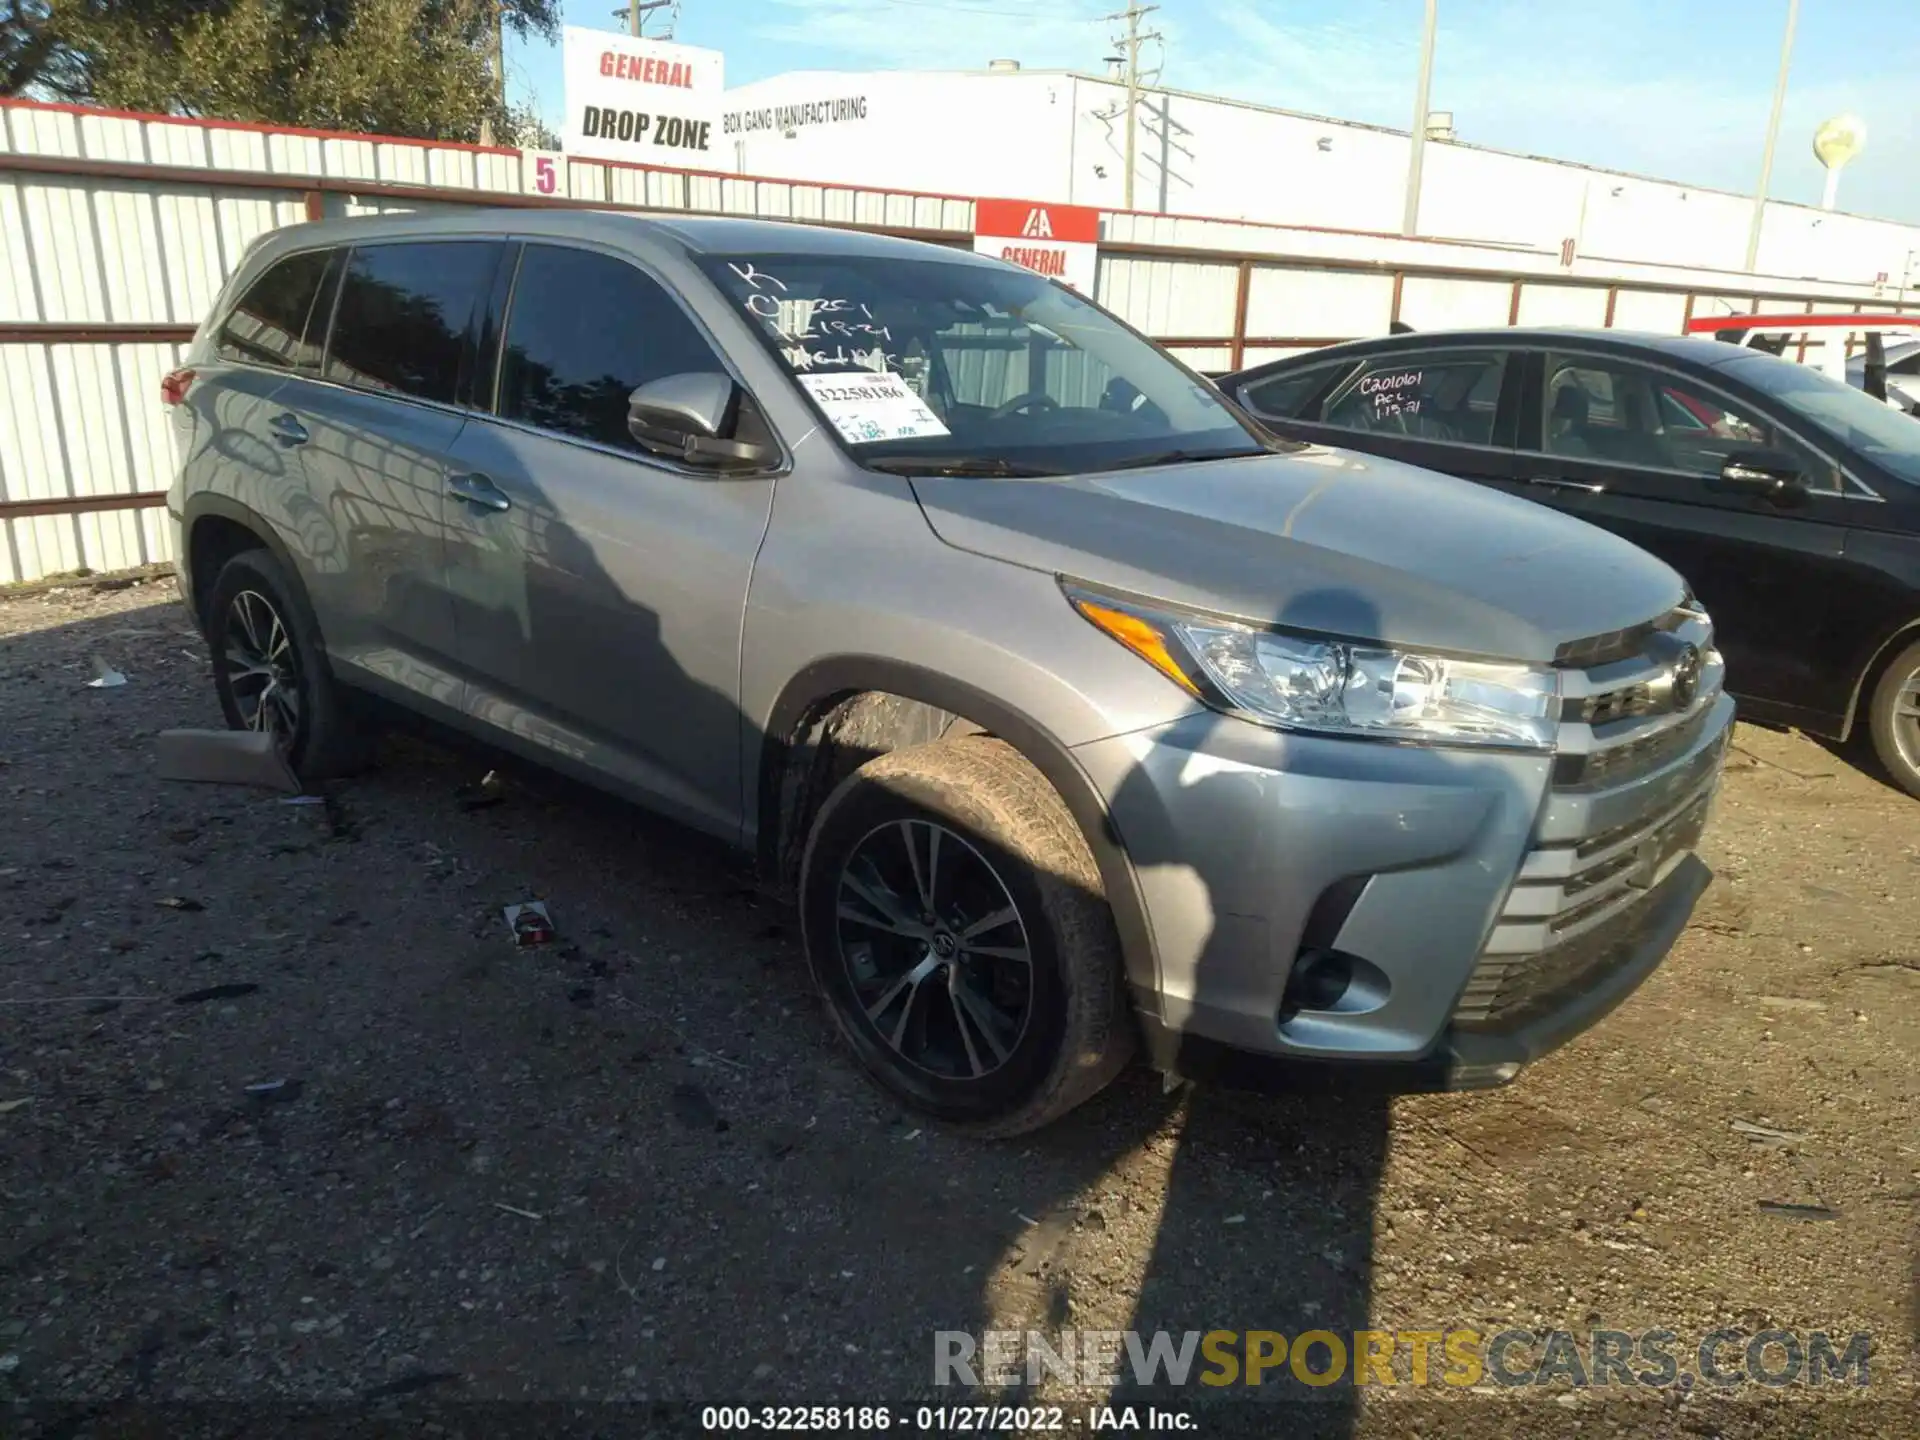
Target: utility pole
<point x="634" y="9"/>
<point x="1773" y="137"/>
<point x="499" y="42"/>
<point x="1417" y="148"/>
<point x="497" y="64"/>
<point x="1135" y="38"/>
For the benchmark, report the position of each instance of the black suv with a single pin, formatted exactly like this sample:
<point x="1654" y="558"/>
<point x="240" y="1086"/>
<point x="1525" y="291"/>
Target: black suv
<point x="1790" y="502"/>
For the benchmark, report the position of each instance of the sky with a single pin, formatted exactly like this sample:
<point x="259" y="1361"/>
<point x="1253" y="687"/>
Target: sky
<point x="1677" y="89"/>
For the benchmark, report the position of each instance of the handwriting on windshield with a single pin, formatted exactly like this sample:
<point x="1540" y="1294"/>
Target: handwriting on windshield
<point x="826" y="319"/>
<point x="758" y="279"/>
<point x="840" y="357"/>
<point x="827" y="332"/>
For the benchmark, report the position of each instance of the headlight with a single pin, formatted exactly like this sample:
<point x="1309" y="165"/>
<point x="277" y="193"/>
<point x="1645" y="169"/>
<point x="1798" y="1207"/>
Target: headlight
<point x="1308" y="682"/>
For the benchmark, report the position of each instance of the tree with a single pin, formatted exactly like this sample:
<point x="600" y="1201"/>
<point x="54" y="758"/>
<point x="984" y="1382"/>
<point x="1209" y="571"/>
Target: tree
<point x="397" y="67"/>
<point x="526" y="129"/>
<point x="27" y="44"/>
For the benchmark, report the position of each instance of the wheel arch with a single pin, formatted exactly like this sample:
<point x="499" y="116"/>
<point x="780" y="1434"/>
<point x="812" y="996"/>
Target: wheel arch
<point x="209" y="527"/>
<point x="1867" y="675"/>
<point x="836" y="714"/>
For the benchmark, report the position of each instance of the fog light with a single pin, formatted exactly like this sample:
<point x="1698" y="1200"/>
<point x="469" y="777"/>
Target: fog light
<point x="1319" y="981"/>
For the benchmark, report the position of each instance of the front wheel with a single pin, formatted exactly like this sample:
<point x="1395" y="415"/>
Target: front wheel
<point x="1895" y="719"/>
<point x="956" y="927"/>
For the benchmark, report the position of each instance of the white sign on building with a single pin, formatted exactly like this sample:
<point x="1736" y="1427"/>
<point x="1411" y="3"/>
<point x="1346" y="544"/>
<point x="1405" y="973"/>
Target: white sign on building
<point x="650" y="102"/>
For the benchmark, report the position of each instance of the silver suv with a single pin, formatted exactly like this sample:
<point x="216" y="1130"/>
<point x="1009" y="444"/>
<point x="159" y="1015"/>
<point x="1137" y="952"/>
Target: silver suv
<point x="1075" y="712"/>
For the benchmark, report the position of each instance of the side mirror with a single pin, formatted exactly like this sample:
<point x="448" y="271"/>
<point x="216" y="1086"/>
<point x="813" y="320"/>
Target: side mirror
<point x="692" y="418"/>
<point x="1767" y="474"/>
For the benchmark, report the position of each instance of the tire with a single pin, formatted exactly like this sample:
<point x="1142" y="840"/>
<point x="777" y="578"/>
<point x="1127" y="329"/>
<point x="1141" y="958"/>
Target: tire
<point x="1895" y="719"/>
<point x="253" y="621"/>
<point x="977" y="1069"/>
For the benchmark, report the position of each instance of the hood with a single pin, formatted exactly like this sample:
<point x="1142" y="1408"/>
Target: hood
<point x="1323" y="540"/>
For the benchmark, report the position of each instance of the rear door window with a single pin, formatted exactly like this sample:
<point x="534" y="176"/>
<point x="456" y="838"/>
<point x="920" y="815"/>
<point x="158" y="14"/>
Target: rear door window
<point x="277" y="322"/>
<point x="403" y="316"/>
<point x="1432" y="395"/>
<point x="584" y="331"/>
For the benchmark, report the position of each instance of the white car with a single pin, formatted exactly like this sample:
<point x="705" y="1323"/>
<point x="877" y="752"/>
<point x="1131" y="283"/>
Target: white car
<point x="1837" y="344"/>
<point x="1903" y="374"/>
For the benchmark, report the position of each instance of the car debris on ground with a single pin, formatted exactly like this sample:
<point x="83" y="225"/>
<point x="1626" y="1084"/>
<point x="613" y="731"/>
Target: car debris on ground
<point x="530" y="923"/>
<point x="226" y="757"/>
<point x="215" y="992"/>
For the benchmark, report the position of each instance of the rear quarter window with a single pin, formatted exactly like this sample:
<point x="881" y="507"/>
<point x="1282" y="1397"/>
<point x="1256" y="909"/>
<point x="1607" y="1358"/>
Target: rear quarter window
<point x="277" y="322"/>
<point x="1284" y="396"/>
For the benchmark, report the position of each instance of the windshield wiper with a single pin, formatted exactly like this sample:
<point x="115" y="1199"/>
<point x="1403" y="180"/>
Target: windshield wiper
<point x="956" y="465"/>
<point x="1176" y="457"/>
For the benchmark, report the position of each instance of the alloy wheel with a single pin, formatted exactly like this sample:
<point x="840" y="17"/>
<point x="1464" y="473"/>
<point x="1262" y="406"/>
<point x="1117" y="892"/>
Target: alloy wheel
<point x="936" y="950"/>
<point x="1906" y="720"/>
<point x="261" y="666"/>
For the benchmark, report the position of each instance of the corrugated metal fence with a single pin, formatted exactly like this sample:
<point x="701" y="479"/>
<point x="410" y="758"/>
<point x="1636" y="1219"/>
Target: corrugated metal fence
<point x="118" y="230"/>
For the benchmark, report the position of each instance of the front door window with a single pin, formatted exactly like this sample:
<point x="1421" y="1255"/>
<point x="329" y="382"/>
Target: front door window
<point x="1616" y="412"/>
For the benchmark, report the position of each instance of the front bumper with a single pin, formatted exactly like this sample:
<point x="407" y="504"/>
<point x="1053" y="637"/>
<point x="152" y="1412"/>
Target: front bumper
<point x="1494" y="911"/>
<point x="1462" y="1059"/>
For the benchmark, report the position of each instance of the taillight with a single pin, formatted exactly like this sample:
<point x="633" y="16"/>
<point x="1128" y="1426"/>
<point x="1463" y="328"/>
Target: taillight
<point x="173" y="387"/>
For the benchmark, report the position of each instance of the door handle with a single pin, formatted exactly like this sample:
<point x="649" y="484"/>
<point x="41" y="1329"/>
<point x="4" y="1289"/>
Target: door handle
<point x="288" y="430"/>
<point x="477" y="489"/>
<point x="1579" y="485"/>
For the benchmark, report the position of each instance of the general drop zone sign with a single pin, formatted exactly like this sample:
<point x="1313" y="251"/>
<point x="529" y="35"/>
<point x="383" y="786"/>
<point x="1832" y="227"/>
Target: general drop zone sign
<point x="1059" y="241"/>
<point x="648" y="101"/>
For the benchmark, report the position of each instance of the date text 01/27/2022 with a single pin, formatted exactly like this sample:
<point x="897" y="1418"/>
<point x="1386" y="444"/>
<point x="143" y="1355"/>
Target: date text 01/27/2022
<point x="943" y="1419"/>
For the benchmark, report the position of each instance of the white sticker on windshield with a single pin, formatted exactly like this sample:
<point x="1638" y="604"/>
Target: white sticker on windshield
<point x="866" y="408"/>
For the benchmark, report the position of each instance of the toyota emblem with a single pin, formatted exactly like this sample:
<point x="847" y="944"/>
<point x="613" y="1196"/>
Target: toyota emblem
<point x="1686" y="677"/>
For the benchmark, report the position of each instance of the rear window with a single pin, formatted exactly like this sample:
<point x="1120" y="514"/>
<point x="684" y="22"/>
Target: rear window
<point x="271" y="324"/>
<point x="403" y="315"/>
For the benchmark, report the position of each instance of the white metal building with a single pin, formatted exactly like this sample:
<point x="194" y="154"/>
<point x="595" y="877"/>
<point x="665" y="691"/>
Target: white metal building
<point x="1056" y="135"/>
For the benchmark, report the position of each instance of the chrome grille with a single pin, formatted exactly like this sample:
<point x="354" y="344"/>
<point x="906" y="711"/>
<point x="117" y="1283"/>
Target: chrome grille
<point x="1620" y="644"/>
<point x="1619" y="718"/>
<point x="1621" y="704"/>
<point x="1574" y="911"/>
<point x="1616" y="764"/>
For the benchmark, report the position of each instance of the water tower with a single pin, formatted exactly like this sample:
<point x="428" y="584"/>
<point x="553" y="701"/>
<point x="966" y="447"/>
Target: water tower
<point x="1835" y="143"/>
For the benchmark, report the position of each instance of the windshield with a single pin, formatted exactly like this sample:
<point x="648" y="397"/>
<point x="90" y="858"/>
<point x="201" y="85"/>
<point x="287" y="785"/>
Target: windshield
<point x="1867" y="426"/>
<point x="937" y="365"/>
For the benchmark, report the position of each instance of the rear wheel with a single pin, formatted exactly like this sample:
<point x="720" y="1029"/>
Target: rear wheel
<point x="270" y="672"/>
<point x="1895" y="718"/>
<point x="956" y="927"/>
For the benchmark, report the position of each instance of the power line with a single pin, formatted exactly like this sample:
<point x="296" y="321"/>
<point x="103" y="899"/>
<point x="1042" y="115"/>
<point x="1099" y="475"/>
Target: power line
<point x="634" y="11"/>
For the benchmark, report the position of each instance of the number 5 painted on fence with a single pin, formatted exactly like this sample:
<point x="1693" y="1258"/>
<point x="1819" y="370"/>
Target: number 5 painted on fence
<point x="544" y="172"/>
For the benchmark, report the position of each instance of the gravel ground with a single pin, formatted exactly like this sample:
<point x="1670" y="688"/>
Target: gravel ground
<point x="633" y="1166"/>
